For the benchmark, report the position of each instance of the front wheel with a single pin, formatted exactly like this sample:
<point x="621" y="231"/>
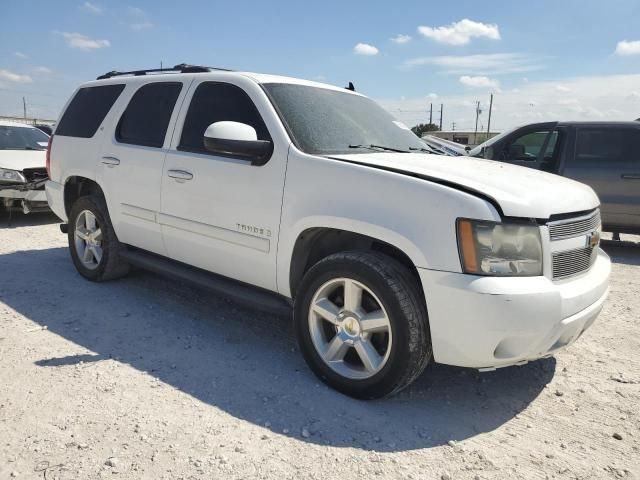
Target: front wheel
<point x="362" y="324"/>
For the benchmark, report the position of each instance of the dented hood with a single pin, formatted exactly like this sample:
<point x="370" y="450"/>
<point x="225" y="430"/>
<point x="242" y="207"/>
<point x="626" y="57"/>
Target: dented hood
<point x="21" y="159"/>
<point x="519" y="191"/>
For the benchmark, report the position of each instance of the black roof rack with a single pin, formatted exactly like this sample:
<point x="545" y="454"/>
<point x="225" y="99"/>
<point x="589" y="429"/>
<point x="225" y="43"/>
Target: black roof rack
<point x="180" y="68"/>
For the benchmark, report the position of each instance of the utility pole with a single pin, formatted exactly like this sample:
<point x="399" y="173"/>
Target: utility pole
<point x="441" y="109"/>
<point x="475" y="133"/>
<point x="489" y="121"/>
<point x="430" y="113"/>
<point x="24" y="107"/>
<point x="453" y="126"/>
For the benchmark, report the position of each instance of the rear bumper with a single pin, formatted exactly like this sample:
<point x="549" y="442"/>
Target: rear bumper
<point x="491" y="322"/>
<point x="55" y="197"/>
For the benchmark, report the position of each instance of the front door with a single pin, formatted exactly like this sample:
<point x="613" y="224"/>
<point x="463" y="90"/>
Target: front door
<point x="222" y="213"/>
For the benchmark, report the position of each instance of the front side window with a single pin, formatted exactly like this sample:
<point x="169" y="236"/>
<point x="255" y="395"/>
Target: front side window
<point x="527" y="147"/>
<point x="602" y="147"/>
<point x="323" y="121"/>
<point x="147" y="116"/>
<point x="217" y="102"/>
<point x="22" y="138"/>
<point x="87" y="110"/>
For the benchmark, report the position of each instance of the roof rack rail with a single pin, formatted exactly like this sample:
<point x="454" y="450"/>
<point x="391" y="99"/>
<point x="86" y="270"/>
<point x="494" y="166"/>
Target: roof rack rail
<point x="180" y="68"/>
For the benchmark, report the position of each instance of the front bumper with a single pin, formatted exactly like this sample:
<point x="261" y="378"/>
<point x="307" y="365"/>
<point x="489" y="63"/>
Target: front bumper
<point x="28" y="195"/>
<point x="491" y="322"/>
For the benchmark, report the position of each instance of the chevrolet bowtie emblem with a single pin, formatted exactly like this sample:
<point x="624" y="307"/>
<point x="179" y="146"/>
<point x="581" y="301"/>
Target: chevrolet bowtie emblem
<point x="593" y="239"/>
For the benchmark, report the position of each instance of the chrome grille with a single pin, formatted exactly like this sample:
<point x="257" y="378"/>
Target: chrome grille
<point x="572" y="262"/>
<point x="574" y="227"/>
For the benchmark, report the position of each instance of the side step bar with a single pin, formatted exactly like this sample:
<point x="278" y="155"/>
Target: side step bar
<point x="226" y="287"/>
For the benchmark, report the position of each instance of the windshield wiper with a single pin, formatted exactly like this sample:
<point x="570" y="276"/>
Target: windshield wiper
<point x="435" y="151"/>
<point x="378" y="147"/>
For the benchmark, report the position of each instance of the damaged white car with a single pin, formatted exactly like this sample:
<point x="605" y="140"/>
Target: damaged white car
<point x="22" y="167"/>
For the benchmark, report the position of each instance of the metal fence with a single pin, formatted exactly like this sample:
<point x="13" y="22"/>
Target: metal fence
<point x="28" y="121"/>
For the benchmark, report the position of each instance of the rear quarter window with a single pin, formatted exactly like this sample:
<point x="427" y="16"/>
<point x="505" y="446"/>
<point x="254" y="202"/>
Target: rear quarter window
<point x="87" y="110"/>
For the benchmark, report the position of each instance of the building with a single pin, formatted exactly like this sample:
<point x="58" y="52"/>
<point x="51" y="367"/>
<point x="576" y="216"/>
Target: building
<point x="464" y="137"/>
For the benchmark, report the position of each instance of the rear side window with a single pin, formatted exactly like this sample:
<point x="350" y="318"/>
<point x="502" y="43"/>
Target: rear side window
<point x="602" y="147"/>
<point x="87" y="110"/>
<point x="216" y="102"/>
<point x="147" y="116"/>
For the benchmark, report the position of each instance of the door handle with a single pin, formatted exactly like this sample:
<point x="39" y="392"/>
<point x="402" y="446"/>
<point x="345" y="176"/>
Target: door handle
<point x="111" y="161"/>
<point x="180" y="174"/>
<point x="630" y="176"/>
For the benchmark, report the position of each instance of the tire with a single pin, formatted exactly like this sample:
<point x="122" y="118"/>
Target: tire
<point x="109" y="266"/>
<point x="392" y="302"/>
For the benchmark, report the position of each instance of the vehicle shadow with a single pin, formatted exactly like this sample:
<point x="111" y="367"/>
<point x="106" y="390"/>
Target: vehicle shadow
<point x="246" y="362"/>
<point x="19" y="219"/>
<point x="626" y="252"/>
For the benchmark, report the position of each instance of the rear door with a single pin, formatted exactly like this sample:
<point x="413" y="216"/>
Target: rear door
<point x="132" y="157"/>
<point x="603" y="160"/>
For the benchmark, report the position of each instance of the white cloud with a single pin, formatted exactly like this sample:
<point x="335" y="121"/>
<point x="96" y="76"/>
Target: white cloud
<point x="400" y="39"/>
<point x="91" y="8"/>
<point x="610" y="98"/>
<point x="626" y="48"/>
<point x="478" y="82"/>
<point x="136" y="27"/>
<point x="135" y="11"/>
<point x="563" y="88"/>
<point x="43" y="70"/>
<point x="485" y="64"/>
<point x="21" y="55"/>
<point x="365" y="49"/>
<point x="82" y="42"/>
<point x="14" y="77"/>
<point x="460" y="33"/>
<point x="432" y="96"/>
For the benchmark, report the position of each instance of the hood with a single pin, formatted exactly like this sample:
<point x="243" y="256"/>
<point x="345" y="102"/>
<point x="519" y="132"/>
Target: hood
<point x="21" y="159"/>
<point x="519" y="191"/>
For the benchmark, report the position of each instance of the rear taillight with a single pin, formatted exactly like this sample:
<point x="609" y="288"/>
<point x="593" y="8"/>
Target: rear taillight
<point x="48" y="164"/>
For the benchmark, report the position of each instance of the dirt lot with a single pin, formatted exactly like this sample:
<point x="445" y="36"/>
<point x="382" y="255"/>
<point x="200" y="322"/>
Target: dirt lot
<point x="144" y="378"/>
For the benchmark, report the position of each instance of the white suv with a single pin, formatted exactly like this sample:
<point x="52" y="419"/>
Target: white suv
<point x="301" y="195"/>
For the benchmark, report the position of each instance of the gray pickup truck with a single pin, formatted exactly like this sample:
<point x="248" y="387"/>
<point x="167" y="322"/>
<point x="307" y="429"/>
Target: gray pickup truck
<point x="604" y="155"/>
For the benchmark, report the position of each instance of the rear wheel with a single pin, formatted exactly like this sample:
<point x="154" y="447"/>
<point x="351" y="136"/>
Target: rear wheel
<point x="362" y="324"/>
<point x="95" y="249"/>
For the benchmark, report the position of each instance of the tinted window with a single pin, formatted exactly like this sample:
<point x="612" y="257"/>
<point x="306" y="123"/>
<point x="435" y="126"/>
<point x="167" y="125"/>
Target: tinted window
<point x="599" y="148"/>
<point x="147" y="116"/>
<point x="526" y="147"/>
<point x="216" y="102"/>
<point x="325" y="121"/>
<point x="87" y="110"/>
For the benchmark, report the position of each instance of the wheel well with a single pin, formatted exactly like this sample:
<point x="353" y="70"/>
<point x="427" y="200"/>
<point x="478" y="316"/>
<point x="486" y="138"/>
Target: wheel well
<point x="76" y="187"/>
<point x="315" y="244"/>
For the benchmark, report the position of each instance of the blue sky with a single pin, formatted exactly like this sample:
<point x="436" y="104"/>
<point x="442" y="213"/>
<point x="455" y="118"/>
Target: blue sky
<point x="561" y="58"/>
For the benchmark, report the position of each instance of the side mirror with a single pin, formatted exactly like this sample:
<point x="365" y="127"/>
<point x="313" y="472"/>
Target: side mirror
<point x="237" y="140"/>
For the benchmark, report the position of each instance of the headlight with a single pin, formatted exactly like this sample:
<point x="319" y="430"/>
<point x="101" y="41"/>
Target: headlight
<point x="11" y="176"/>
<point x="500" y="249"/>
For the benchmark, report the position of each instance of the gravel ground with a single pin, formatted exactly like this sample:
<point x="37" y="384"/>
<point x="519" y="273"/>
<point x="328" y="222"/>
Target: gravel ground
<point x="146" y="378"/>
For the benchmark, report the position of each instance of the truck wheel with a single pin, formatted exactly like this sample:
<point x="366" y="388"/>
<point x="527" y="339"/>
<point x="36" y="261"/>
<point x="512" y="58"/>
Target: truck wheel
<point x="95" y="249"/>
<point x="362" y="324"/>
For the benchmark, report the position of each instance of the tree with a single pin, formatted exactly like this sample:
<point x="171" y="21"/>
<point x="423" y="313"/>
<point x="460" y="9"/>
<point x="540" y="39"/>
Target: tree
<point x="423" y="128"/>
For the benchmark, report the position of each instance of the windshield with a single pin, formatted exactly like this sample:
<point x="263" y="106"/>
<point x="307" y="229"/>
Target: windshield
<point x="324" y="121"/>
<point x="478" y="151"/>
<point x="22" y="138"/>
